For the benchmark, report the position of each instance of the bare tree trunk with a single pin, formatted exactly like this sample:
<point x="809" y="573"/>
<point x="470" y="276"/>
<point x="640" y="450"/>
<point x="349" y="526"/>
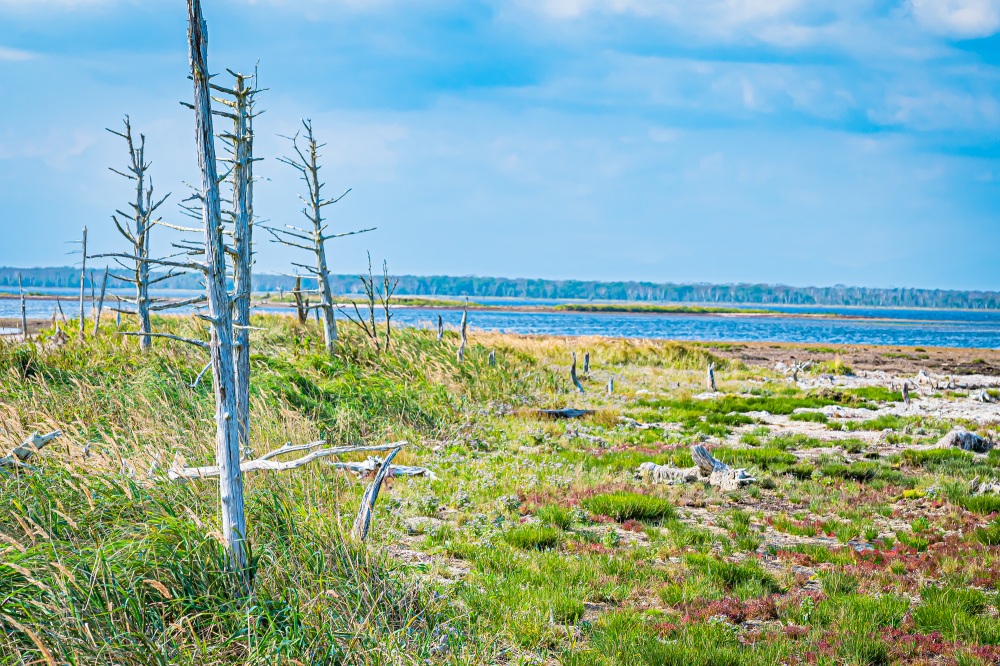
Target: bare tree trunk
<point x="242" y="239"/>
<point x="711" y="376"/>
<point x="100" y="303"/>
<point x="24" y="313"/>
<point x="83" y="280"/>
<point x="586" y="363"/>
<point x="440" y="328"/>
<point x="307" y="163"/>
<point x="572" y="375"/>
<point x="465" y="328"/>
<point x="301" y="303"/>
<point x="234" y="529"/>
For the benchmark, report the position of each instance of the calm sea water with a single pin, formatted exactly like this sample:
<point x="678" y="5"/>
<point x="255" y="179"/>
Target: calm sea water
<point x="877" y="326"/>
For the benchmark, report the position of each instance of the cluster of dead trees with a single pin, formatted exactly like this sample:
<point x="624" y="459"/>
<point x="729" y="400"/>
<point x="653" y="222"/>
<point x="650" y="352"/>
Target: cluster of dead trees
<point x="221" y="250"/>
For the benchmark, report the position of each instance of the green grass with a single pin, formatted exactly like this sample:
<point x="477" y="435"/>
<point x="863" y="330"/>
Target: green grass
<point x="814" y="417"/>
<point x="536" y="543"/>
<point x="624" y="506"/>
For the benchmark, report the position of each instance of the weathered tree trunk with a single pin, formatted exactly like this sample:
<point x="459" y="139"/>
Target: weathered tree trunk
<point x="242" y="240"/>
<point x="572" y="375"/>
<point x="440" y="328"/>
<point x="711" y="376"/>
<point x="100" y="303"/>
<point x="465" y="328"/>
<point x="234" y="529"/>
<point x="24" y="311"/>
<point x="301" y="303"/>
<point x="83" y="280"/>
<point x="586" y="363"/>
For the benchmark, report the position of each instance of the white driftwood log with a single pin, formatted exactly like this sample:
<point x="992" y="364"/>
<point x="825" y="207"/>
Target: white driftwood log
<point x="364" y="518"/>
<point x="572" y="375"/>
<point x="370" y="465"/>
<point x="719" y="473"/>
<point x="967" y="441"/>
<point x="650" y="471"/>
<point x="20" y="454"/>
<point x="266" y="462"/>
<point x="977" y="487"/>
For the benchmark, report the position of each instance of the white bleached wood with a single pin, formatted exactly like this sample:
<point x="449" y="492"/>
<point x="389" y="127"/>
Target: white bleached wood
<point x="267" y="462"/>
<point x="227" y="437"/>
<point x="20" y="454"/>
<point x="364" y="518"/>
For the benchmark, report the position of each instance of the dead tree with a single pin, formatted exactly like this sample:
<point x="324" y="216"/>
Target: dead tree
<point x="135" y="227"/>
<point x="440" y="328"/>
<point x="465" y="332"/>
<point x="241" y="99"/>
<point x="385" y="295"/>
<point x="99" y="305"/>
<point x="711" y="376"/>
<point x="83" y="279"/>
<point x="572" y="374"/>
<point x="306" y="162"/>
<point x="301" y="302"/>
<point x="234" y="529"/>
<point x="493" y="358"/>
<point x="368" y="326"/>
<point x="586" y="363"/>
<point x="24" y="312"/>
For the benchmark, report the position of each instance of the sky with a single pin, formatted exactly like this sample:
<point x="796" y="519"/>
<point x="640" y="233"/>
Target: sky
<point x="806" y="142"/>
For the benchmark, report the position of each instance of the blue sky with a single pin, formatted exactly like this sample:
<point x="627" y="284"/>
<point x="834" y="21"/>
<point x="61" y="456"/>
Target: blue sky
<point x="795" y="141"/>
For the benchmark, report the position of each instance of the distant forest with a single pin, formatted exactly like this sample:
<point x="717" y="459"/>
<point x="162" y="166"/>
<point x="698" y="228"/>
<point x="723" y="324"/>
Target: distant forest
<point x="587" y="290"/>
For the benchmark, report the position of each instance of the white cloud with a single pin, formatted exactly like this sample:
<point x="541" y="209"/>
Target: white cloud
<point x="958" y="18"/>
<point x="15" y="55"/>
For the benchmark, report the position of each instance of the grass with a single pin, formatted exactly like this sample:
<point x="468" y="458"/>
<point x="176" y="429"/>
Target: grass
<point x="536" y="543"/>
<point x="623" y="506"/>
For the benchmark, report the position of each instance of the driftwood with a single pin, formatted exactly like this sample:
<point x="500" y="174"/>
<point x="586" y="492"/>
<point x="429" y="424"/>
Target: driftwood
<point x="711" y="376"/>
<point x="572" y="375"/>
<point x="19" y="456"/>
<point x="967" y="441"/>
<point x="370" y="465"/>
<point x="267" y="462"/>
<point x="977" y="487"/>
<point x="567" y="413"/>
<point x="364" y="518"/>
<point x="707" y="467"/>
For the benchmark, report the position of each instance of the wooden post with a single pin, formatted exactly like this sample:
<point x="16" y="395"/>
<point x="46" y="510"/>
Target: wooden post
<point x="711" y="376"/>
<point x="24" y="315"/>
<point x="234" y="529"/>
<point x="100" y="303"/>
<point x="493" y="358"/>
<point x="83" y="280"/>
<point x="440" y="328"/>
<point x="611" y="385"/>
<point x="586" y="363"/>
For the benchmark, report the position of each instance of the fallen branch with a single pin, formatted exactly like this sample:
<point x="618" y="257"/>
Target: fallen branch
<point x="364" y="518"/>
<point x="29" y="447"/>
<point x="568" y="413"/>
<point x="717" y="473"/>
<point x="265" y="462"/>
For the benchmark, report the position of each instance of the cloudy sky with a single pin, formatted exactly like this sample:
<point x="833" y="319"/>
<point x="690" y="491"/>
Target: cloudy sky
<point x="795" y="141"/>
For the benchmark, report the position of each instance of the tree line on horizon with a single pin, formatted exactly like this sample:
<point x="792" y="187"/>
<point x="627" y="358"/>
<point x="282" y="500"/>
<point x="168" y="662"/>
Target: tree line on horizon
<point x="494" y="287"/>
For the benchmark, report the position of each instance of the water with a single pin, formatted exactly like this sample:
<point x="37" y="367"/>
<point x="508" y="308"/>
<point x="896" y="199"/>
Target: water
<point x="870" y="326"/>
